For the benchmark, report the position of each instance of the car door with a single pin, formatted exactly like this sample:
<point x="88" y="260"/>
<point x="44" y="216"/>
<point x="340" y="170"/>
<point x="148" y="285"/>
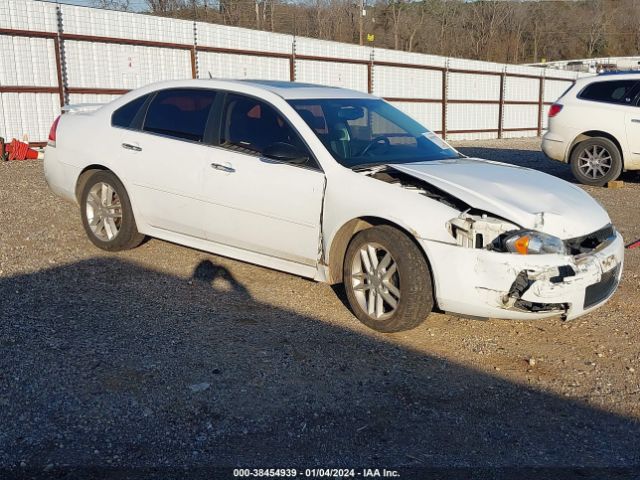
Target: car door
<point x="632" y="125"/>
<point x="165" y="159"/>
<point x="259" y="204"/>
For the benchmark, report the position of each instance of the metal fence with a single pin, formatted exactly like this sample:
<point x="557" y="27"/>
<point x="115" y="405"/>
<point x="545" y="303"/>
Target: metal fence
<point x="55" y="54"/>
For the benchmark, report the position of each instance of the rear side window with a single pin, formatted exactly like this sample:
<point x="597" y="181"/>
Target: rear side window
<point x="180" y="113"/>
<point x="125" y="115"/>
<point x="618" y="91"/>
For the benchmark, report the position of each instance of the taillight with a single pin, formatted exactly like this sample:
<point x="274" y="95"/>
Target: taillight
<point x="555" y="109"/>
<point x="53" y="131"/>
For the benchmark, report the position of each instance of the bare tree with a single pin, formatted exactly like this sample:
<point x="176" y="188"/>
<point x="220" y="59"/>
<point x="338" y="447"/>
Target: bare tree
<point x="123" y="5"/>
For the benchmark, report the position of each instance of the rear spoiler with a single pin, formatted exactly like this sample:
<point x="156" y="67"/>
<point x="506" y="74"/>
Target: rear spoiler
<point x="82" y="107"/>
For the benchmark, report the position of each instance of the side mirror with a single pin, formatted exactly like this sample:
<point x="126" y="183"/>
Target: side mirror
<point x="285" y="152"/>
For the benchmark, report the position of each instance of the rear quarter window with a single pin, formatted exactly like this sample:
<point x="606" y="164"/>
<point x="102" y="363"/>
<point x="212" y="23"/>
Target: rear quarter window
<point x="614" y="91"/>
<point x="124" y="116"/>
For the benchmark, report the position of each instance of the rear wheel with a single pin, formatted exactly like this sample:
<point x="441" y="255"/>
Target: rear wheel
<point x="596" y="161"/>
<point x="106" y="213"/>
<point x="387" y="280"/>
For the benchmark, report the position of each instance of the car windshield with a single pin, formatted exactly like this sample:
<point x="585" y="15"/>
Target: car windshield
<point x="365" y="132"/>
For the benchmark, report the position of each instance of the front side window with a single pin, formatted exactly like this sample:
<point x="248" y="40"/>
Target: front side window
<point x="360" y="132"/>
<point x="616" y="91"/>
<point x="126" y="115"/>
<point x="250" y="125"/>
<point x="180" y="113"/>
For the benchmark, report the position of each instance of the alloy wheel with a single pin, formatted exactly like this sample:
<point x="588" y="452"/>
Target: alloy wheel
<point x="104" y="211"/>
<point x="595" y="161"/>
<point x="375" y="281"/>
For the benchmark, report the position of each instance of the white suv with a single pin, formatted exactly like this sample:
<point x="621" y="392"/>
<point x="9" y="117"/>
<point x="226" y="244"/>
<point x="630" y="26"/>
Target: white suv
<point x="595" y="126"/>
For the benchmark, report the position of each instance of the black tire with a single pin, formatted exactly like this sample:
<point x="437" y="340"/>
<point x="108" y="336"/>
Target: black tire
<point x="127" y="235"/>
<point x="411" y="274"/>
<point x="591" y="175"/>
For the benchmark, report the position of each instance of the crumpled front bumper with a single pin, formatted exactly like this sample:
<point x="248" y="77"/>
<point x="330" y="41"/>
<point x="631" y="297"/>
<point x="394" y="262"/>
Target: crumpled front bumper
<point x="482" y="283"/>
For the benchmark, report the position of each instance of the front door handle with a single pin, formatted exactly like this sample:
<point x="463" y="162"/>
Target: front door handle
<point x="134" y="148"/>
<point x="224" y="168"/>
<point x="635" y="120"/>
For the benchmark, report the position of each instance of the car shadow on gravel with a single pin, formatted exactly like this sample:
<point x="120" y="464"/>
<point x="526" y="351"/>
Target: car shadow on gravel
<point x="533" y="159"/>
<point x="105" y="363"/>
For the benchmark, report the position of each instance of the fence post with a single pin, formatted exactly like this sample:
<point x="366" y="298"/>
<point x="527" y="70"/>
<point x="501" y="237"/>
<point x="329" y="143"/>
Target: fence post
<point x="194" y="52"/>
<point x="370" y="72"/>
<point x="503" y="76"/>
<point x="445" y="73"/>
<point x="58" y="44"/>
<point x="292" y="61"/>
<point x="540" y="104"/>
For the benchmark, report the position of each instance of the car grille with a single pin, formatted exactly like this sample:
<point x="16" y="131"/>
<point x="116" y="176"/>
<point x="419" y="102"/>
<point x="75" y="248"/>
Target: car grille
<point x="598" y="292"/>
<point x="589" y="242"/>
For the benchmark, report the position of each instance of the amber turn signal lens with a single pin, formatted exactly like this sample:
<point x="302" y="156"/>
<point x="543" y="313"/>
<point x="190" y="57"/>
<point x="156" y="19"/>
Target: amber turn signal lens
<point x="522" y="245"/>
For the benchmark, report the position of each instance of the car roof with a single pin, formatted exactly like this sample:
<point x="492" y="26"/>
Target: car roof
<point x="286" y="90"/>
<point x="609" y="76"/>
<point x="300" y="90"/>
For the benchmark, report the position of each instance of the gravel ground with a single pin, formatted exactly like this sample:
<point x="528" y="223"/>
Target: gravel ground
<point x="170" y="357"/>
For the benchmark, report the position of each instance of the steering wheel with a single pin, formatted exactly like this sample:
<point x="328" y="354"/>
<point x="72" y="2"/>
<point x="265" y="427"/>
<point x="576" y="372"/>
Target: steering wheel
<point x="379" y="140"/>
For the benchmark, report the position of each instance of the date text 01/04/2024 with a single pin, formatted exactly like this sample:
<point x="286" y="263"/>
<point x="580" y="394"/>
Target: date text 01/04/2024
<point x="316" y="473"/>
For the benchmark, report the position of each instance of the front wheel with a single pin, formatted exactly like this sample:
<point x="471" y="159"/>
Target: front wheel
<point x="106" y="213"/>
<point x="596" y="161"/>
<point x="387" y="280"/>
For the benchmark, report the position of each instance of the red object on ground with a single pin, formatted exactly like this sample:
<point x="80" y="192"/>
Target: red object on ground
<point x="633" y="245"/>
<point x="17" y="150"/>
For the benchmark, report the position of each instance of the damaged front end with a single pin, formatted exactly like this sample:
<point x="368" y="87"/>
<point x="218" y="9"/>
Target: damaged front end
<point x="578" y="264"/>
<point x="496" y="268"/>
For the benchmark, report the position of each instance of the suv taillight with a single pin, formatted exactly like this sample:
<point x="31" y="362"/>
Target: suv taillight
<point x="555" y="109"/>
<point x="53" y="131"/>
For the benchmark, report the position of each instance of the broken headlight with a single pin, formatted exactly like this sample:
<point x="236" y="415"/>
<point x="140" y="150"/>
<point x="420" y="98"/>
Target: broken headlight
<point x="530" y="242"/>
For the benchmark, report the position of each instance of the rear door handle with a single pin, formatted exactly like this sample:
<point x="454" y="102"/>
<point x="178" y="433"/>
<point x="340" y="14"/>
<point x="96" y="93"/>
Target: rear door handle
<point x="224" y="168"/>
<point x="635" y="120"/>
<point x="129" y="146"/>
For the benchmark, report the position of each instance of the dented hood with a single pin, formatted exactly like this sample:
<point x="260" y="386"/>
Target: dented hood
<point x="529" y="198"/>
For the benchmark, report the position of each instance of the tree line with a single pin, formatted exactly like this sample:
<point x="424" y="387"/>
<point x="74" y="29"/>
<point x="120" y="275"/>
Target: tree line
<point x="508" y="31"/>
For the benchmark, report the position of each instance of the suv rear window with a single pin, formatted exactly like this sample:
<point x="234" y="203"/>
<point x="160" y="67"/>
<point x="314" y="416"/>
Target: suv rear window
<point x="617" y="91"/>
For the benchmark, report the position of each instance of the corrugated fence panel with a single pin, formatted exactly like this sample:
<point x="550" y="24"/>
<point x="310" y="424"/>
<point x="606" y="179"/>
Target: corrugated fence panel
<point x="38" y="71"/>
<point x="407" y="82"/>
<point x="228" y="65"/>
<point x="554" y="88"/>
<point x="468" y="86"/>
<point x="428" y="114"/>
<point x="29" y="114"/>
<point x="521" y="89"/>
<point x="123" y="66"/>
<point x="335" y="74"/>
<point x="28" y="15"/>
<point x="89" y="64"/>
<point x="110" y="23"/>
<point x="520" y="116"/>
<point x="468" y="116"/>
<point x="221" y="36"/>
<point x="397" y="56"/>
<point x="465" y="64"/>
<point x="325" y="48"/>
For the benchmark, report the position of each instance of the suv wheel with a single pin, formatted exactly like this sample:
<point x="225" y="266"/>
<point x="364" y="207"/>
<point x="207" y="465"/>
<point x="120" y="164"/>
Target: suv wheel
<point x="106" y="213"/>
<point x="387" y="280"/>
<point x="596" y="161"/>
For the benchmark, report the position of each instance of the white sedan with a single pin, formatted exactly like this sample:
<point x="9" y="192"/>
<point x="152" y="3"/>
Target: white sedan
<point x="338" y="186"/>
